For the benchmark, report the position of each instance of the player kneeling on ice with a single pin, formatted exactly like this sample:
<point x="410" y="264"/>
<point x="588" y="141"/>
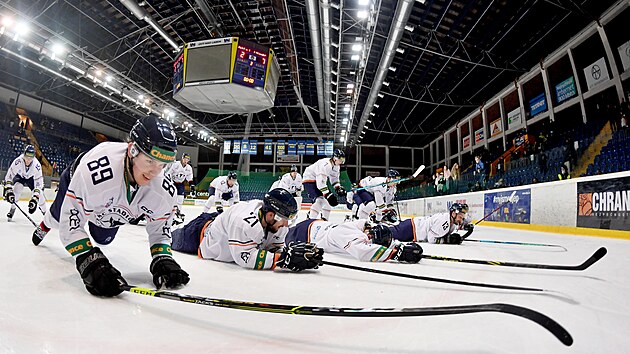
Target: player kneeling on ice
<point x="436" y="228"/>
<point x="223" y="190"/>
<point x="25" y="170"/>
<point x="292" y="182"/>
<point x="180" y="172"/>
<point x="107" y="187"/>
<point x="357" y="238"/>
<point x="376" y="199"/>
<point x="251" y="234"/>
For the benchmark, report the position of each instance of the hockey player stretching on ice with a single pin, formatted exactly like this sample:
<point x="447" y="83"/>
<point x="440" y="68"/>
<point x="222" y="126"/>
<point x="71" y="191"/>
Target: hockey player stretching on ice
<point x="437" y="228"/>
<point x="25" y="170"/>
<point x="107" y="187"/>
<point x="316" y="177"/>
<point x="251" y="234"/>
<point x="377" y="198"/>
<point x="181" y="171"/>
<point x="357" y="238"/>
<point x="223" y="191"/>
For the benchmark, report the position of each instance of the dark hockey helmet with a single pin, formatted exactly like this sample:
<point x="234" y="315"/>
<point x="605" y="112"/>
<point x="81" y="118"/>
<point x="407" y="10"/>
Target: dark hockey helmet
<point x="393" y="174"/>
<point x="155" y="137"/>
<point x="294" y="168"/>
<point x="185" y="156"/>
<point x="459" y="208"/>
<point x="281" y="202"/>
<point x="340" y="155"/>
<point x="29" y="151"/>
<point x="380" y="235"/>
<point x="232" y="175"/>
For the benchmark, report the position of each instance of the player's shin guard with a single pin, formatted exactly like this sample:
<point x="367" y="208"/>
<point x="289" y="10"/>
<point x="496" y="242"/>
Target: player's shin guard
<point x="366" y="209"/>
<point x="326" y="213"/>
<point x="316" y="208"/>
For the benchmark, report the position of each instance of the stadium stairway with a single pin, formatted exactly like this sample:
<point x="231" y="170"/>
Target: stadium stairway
<point x="602" y="138"/>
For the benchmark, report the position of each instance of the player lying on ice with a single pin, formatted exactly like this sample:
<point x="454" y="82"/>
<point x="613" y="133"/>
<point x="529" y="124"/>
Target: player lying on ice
<point x="251" y="234"/>
<point x="358" y="238"/>
<point x="109" y="186"/>
<point x="436" y="228"/>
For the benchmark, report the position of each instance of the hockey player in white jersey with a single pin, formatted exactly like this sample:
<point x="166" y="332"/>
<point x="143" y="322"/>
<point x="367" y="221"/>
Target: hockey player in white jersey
<point x="378" y="197"/>
<point x="316" y="177"/>
<point x="250" y="234"/>
<point x="180" y="172"/>
<point x="358" y="238"/>
<point x="107" y="187"/>
<point x="25" y="170"/>
<point x="436" y="228"/>
<point x="292" y="182"/>
<point x="223" y="191"/>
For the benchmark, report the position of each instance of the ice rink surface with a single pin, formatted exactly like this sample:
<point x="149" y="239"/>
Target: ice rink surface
<point x="44" y="307"/>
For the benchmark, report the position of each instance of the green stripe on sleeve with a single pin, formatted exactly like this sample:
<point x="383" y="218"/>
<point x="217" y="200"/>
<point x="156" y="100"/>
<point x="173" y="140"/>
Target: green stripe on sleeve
<point x="260" y="260"/>
<point x="379" y="252"/>
<point x="161" y="248"/>
<point x="81" y="246"/>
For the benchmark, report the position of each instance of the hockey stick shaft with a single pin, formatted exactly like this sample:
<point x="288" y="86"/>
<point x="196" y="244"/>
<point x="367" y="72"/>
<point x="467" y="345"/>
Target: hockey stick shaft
<point x="549" y="324"/>
<point x="438" y="280"/>
<point x="28" y="217"/>
<point x="509" y="200"/>
<point x="415" y="174"/>
<point x="590" y="261"/>
<point x="516" y="243"/>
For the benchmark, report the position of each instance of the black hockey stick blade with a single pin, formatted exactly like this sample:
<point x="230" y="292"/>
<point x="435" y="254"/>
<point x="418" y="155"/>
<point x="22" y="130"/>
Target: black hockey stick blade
<point x="594" y="258"/>
<point x="438" y="280"/>
<point x="549" y="324"/>
<point x="516" y="243"/>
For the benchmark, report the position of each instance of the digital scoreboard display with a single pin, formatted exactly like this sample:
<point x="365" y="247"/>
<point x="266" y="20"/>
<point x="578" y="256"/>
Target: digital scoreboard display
<point x="178" y="74"/>
<point x="250" y="64"/>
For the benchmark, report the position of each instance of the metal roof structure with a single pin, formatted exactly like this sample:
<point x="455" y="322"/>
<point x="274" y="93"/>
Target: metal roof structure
<point x="377" y="71"/>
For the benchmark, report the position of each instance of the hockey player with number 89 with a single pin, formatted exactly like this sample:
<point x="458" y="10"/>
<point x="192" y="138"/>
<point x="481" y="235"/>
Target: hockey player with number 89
<point x="25" y="170"/>
<point x="109" y="186"/>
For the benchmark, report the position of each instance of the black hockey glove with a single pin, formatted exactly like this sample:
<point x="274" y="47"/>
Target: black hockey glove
<point x="390" y="216"/>
<point x="332" y="200"/>
<point x="166" y="271"/>
<point x="300" y="256"/>
<point x="8" y="194"/>
<point x="99" y="276"/>
<point x="219" y="209"/>
<point x="408" y="253"/>
<point x="452" y="239"/>
<point x="341" y="192"/>
<point x="32" y="204"/>
<point x="469" y="229"/>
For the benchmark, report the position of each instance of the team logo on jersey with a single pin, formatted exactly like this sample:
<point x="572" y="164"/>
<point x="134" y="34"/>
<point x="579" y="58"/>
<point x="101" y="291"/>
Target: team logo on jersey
<point x="74" y="219"/>
<point x="245" y="256"/>
<point x="113" y="217"/>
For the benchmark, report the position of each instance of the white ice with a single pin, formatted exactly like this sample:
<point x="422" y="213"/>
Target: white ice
<point x="44" y="306"/>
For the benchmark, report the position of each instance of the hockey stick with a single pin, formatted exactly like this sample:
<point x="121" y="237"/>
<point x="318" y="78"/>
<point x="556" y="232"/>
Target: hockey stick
<point x="549" y="324"/>
<point x="509" y="200"/>
<point x="589" y="262"/>
<point x="28" y="217"/>
<point x="439" y="280"/>
<point x="415" y="174"/>
<point x="516" y="243"/>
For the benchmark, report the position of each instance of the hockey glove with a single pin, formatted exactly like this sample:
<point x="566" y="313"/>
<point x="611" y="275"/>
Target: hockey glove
<point x="300" y="256"/>
<point x="219" y="209"/>
<point x="452" y="239"/>
<point x="167" y="272"/>
<point x="341" y="192"/>
<point x="8" y="194"/>
<point x="99" y="276"/>
<point x="32" y="204"/>
<point x="408" y="253"/>
<point x="332" y="200"/>
<point x="469" y="229"/>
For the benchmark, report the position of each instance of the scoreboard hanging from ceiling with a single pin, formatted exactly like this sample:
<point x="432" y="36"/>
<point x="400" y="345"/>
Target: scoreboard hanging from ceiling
<point x="226" y="75"/>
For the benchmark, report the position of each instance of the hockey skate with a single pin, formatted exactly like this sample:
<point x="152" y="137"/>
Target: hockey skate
<point x="10" y="215"/>
<point x="39" y="233"/>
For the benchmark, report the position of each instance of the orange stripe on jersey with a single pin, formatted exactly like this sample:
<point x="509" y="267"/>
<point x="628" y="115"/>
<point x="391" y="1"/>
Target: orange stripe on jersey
<point x="413" y="227"/>
<point x="309" y="231"/>
<point x="243" y="245"/>
<point x="203" y="233"/>
<point x="309" y="180"/>
<point x="275" y="260"/>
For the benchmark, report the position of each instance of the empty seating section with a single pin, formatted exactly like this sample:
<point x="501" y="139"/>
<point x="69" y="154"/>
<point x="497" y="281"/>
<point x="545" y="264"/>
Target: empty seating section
<point x="614" y="157"/>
